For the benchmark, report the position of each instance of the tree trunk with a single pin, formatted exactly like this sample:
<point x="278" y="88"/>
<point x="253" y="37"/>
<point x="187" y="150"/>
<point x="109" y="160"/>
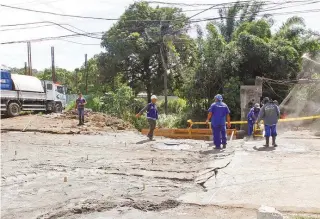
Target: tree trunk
<point x="148" y="86"/>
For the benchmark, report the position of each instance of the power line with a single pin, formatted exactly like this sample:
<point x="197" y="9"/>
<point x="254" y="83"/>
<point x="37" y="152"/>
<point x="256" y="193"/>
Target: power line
<point x="213" y="6"/>
<point x="46" y="38"/>
<point x="274" y="14"/>
<point x="273" y="7"/>
<point x="54" y="23"/>
<point x="74" y="16"/>
<point x="51" y="23"/>
<point x="22" y="28"/>
<point x="191" y="4"/>
<point x="284" y="7"/>
<point x="84" y="44"/>
<point x="220" y="4"/>
<point x="36" y="2"/>
<point x="61" y="26"/>
<point x="92" y="34"/>
<point x="192" y="21"/>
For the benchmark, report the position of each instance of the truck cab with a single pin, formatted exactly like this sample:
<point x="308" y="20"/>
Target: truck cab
<point x="56" y="95"/>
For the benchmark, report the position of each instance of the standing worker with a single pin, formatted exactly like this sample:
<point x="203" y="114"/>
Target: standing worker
<point x="80" y="102"/>
<point x="270" y="114"/>
<point x="152" y="115"/>
<point x="252" y="118"/>
<point x="219" y="113"/>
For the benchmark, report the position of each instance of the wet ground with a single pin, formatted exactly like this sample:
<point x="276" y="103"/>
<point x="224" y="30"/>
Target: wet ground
<point x="121" y="175"/>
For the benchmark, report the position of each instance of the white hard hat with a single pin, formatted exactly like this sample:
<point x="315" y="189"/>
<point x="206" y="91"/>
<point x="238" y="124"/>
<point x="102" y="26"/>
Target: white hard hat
<point x="154" y="97"/>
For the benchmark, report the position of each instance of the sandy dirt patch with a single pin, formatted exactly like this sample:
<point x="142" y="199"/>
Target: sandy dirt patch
<point x="66" y="123"/>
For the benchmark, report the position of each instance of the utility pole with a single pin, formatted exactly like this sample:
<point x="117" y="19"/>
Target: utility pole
<point x="53" y="67"/>
<point x="29" y="58"/>
<point x="76" y="71"/>
<point x="25" y="68"/>
<point x="86" y="69"/>
<point x="164" y="65"/>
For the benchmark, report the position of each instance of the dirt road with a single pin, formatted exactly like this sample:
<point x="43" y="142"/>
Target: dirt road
<point x="121" y="175"/>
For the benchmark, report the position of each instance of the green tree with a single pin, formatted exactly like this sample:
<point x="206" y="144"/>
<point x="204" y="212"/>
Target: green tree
<point x="136" y="45"/>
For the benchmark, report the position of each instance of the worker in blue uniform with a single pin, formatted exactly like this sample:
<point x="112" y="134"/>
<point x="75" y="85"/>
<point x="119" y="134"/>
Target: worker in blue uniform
<point x="219" y="113"/>
<point x="152" y="115"/>
<point x="252" y="118"/>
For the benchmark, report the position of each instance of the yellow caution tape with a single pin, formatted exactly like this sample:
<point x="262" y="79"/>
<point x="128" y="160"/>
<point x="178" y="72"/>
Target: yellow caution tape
<point x="245" y="122"/>
<point x="300" y="118"/>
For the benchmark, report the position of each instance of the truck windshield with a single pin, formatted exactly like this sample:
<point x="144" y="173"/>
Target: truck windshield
<point x="60" y="89"/>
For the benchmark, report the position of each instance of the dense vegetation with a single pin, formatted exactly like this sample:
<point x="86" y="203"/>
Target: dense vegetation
<point x="230" y="52"/>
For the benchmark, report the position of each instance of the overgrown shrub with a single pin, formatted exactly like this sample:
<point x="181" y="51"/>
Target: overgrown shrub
<point x="172" y="121"/>
<point x="119" y="103"/>
<point x="139" y="123"/>
<point x="95" y="104"/>
<point x="176" y="106"/>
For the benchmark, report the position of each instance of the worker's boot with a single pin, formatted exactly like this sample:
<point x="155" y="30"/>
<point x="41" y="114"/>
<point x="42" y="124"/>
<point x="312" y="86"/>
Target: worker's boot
<point x="80" y="121"/>
<point x="224" y="146"/>
<point x="267" y="142"/>
<point x="274" y="141"/>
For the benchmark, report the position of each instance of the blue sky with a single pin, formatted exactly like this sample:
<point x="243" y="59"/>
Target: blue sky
<point x="70" y="55"/>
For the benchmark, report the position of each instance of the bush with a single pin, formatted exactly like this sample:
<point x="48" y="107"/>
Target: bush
<point x="172" y="121"/>
<point x="95" y="104"/>
<point x="174" y="106"/>
<point x="119" y="103"/>
<point x="139" y="123"/>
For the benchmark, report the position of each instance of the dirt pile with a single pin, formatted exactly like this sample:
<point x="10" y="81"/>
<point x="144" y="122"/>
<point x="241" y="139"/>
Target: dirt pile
<point x="65" y="123"/>
<point x="99" y="120"/>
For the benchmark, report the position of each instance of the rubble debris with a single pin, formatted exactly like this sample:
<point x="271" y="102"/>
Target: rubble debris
<point x="265" y="212"/>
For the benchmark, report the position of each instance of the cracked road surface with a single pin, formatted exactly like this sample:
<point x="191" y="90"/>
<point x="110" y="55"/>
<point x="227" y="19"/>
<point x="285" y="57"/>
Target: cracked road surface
<point x="286" y="177"/>
<point x="120" y="175"/>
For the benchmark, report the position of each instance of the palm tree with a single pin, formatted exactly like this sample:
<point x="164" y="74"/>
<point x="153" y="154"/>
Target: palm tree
<point x="291" y="28"/>
<point x="233" y="16"/>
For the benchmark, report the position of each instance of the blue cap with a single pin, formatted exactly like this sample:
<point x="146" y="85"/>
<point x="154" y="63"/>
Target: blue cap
<point x="219" y="97"/>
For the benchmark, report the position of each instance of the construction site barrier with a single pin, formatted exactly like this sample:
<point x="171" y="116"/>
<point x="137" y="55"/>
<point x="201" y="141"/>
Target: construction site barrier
<point x="206" y="133"/>
<point x="191" y="123"/>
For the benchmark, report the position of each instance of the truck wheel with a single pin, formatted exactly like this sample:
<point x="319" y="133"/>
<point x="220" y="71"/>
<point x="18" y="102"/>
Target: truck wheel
<point x="57" y="108"/>
<point x="13" y="109"/>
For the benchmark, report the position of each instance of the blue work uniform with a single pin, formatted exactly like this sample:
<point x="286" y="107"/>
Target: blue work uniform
<point x="252" y="118"/>
<point x="152" y="116"/>
<point x="219" y="112"/>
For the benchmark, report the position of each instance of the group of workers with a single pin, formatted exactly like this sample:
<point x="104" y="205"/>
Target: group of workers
<point x="218" y="114"/>
<point x="270" y="114"/>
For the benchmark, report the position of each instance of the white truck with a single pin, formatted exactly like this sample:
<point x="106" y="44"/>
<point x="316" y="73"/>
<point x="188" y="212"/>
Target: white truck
<point x="28" y="93"/>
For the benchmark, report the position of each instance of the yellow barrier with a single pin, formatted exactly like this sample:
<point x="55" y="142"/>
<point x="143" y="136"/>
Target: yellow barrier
<point x="205" y="134"/>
